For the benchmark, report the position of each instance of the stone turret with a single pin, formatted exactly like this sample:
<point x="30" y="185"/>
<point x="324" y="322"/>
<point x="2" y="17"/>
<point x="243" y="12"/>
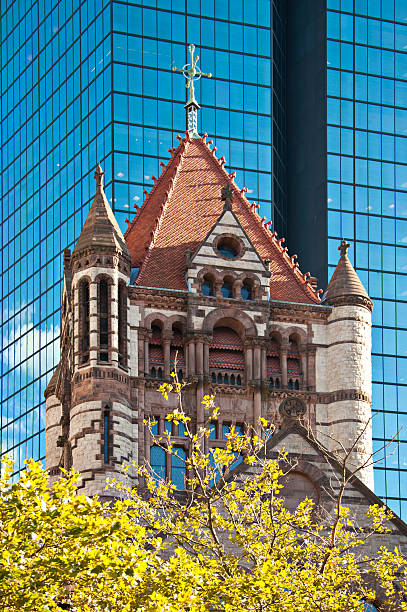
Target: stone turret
<point x="99" y="433"/>
<point x="349" y="365"/>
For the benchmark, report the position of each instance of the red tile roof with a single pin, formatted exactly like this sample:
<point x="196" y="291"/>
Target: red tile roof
<point x="179" y="354"/>
<point x="183" y="206"/>
<point x="273" y="364"/>
<point x="219" y="358"/>
<point x="223" y="337"/>
<point x="293" y="366"/>
<point x="156" y="354"/>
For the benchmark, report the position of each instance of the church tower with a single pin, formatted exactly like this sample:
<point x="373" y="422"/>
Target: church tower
<point x="202" y="284"/>
<point x="96" y="433"/>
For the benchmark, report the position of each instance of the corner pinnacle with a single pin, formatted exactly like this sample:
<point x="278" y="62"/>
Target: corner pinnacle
<point x="99" y="174"/>
<point x="343" y="247"/>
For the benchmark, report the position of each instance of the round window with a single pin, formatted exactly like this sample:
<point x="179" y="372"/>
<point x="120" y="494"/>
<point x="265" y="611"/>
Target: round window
<point x="227" y="247"/>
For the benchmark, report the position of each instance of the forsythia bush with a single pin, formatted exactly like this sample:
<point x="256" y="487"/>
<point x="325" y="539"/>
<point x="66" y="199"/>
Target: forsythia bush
<point x="226" y="544"/>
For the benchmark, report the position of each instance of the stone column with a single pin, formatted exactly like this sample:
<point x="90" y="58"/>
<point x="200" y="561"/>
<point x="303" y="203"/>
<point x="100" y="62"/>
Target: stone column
<point x="249" y="363"/>
<point x="167" y="357"/>
<point x="257" y="363"/>
<point x="217" y="288"/>
<point x="206" y="357"/>
<point x="237" y="286"/>
<point x="141" y="367"/>
<point x="200" y="417"/>
<point x="191" y="358"/>
<point x="146" y="358"/>
<point x="76" y="331"/>
<point x="93" y="323"/>
<point x="257" y="409"/>
<point x="114" y="323"/>
<point x="283" y="364"/>
<point x="311" y="353"/>
<point x="263" y="364"/>
<point x="303" y="357"/>
<point x="199" y="355"/>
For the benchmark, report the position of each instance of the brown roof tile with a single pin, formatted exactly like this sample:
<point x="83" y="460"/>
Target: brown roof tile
<point x="183" y="206"/>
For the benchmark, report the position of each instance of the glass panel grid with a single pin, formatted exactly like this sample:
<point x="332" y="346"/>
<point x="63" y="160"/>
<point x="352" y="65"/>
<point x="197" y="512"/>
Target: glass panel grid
<point x="86" y="82"/>
<point x="367" y="199"/>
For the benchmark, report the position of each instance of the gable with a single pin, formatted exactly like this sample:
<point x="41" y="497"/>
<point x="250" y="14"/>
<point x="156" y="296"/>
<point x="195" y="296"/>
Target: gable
<point x="211" y="258"/>
<point x="308" y="458"/>
<point x="176" y="216"/>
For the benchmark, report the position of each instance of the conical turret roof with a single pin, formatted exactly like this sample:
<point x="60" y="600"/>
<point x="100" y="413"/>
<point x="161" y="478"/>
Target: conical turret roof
<point x="101" y="228"/>
<point x="345" y="286"/>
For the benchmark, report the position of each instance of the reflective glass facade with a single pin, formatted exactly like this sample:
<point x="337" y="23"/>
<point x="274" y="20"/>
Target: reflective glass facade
<point x="91" y="81"/>
<point x="307" y="102"/>
<point x="367" y="198"/>
<point x="56" y="110"/>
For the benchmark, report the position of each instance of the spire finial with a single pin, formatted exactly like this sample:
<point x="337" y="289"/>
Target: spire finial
<point x="99" y="174"/>
<point x="343" y="248"/>
<point x="227" y="197"/>
<point x="192" y="73"/>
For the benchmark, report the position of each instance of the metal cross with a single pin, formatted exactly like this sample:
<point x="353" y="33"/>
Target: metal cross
<point x="192" y="73"/>
<point x="343" y="247"/>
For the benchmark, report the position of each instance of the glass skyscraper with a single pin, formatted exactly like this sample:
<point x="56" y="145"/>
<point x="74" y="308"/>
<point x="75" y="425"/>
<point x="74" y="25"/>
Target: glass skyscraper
<point x="347" y="178"/>
<point x="367" y="199"/>
<point x="307" y="103"/>
<point x="88" y="82"/>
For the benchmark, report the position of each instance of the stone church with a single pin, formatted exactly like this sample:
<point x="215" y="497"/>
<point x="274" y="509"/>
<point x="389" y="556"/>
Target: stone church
<point x="200" y="283"/>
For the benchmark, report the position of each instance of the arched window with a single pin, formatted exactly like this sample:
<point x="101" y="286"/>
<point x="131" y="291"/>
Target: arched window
<point x="246" y="291"/>
<point x="273" y="360"/>
<point x="207" y="286"/>
<point x="226" y="353"/>
<point x="177" y="349"/>
<point x="157" y="462"/>
<point x="103" y="321"/>
<point x="293" y="358"/>
<point x="227" y="289"/>
<point x="156" y="351"/>
<point x="106" y="435"/>
<point x="296" y="488"/>
<point x="122" y="304"/>
<point x="181" y="430"/>
<point x="84" y="320"/>
<point x="178" y="468"/>
<point x="239" y="430"/>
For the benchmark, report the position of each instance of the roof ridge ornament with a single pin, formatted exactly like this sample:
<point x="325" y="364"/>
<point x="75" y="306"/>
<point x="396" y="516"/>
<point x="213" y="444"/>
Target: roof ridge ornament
<point x="192" y="73"/>
<point x="99" y="174"/>
<point x="227" y="197"/>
